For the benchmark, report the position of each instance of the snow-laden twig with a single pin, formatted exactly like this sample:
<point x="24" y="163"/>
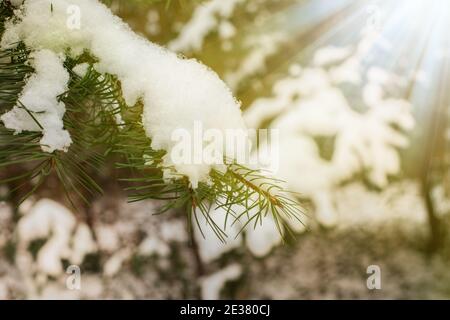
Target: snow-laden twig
<point x="40" y="99"/>
<point x="175" y="92"/>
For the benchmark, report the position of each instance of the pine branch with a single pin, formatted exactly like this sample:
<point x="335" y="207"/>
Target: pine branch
<point x="105" y="131"/>
<point x="92" y="104"/>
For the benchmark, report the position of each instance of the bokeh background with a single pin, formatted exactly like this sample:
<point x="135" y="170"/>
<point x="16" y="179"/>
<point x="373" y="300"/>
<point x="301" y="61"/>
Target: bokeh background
<point x="359" y="91"/>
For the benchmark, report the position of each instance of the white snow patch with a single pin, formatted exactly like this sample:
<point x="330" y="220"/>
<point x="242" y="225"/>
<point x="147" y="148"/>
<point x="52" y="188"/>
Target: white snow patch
<point x="81" y="69"/>
<point x="210" y="246"/>
<point x="307" y="105"/>
<point x="82" y="244"/>
<point x="226" y="30"/>
<point x="107" y="238"/>
<point x="48" y="219"/>
<point x="64" y="239"/>
<point x="206" y="18"/>
<point x="400" y="203"/>
<point x="40" y="97"/>
<point x="441" y="200"/>
<point x="6" y="214"/>
<point x="114" y="264"/>
<point x="213" y="284"/>
<point x="153" y="245"/>
<point x="173" y="231"/>
<point x="260" y="239"/>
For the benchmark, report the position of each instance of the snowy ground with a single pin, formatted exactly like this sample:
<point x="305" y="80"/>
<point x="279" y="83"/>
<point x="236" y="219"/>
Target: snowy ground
<point x="127" y="253"/>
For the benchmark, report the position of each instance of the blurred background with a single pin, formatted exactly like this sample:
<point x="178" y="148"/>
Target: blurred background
<point x="360" y="93"/>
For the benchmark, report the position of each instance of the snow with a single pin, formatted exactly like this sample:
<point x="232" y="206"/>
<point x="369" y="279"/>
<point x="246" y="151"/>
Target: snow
<point x="175" y="91"/>
<point x="206" y="17"/>
<point x="213" y="284"/>
<point x="6" y="214"/>
<point x="442" y="202"/>
<point x="44" y="218"/>
<point x="400" y="203"/>
<point x="260" y="48"/>
<point x="49" y="220"/>
<point x="82" y="244"/>
<point x="153" y="245"/>
<point x="226" y="30"/>
<point x="263" y="238"/>
<point x="107" y="238"/>
<point x="361" y="142"/>
<point x="173" y="231"/>
<point x="81" y="69"/>
<point x="113" y="265"/>
<point x="259" y="239"/>
<point x="40" y="97"/>
<point x="365" y="141"/>
<point x="349" y="69"/>
<point x="16" y="3"/>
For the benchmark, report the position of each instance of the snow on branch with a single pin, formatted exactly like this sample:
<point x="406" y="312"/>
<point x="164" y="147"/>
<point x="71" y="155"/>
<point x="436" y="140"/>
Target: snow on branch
<point x="175" y="92"/>
<point x="40" y="97"/>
